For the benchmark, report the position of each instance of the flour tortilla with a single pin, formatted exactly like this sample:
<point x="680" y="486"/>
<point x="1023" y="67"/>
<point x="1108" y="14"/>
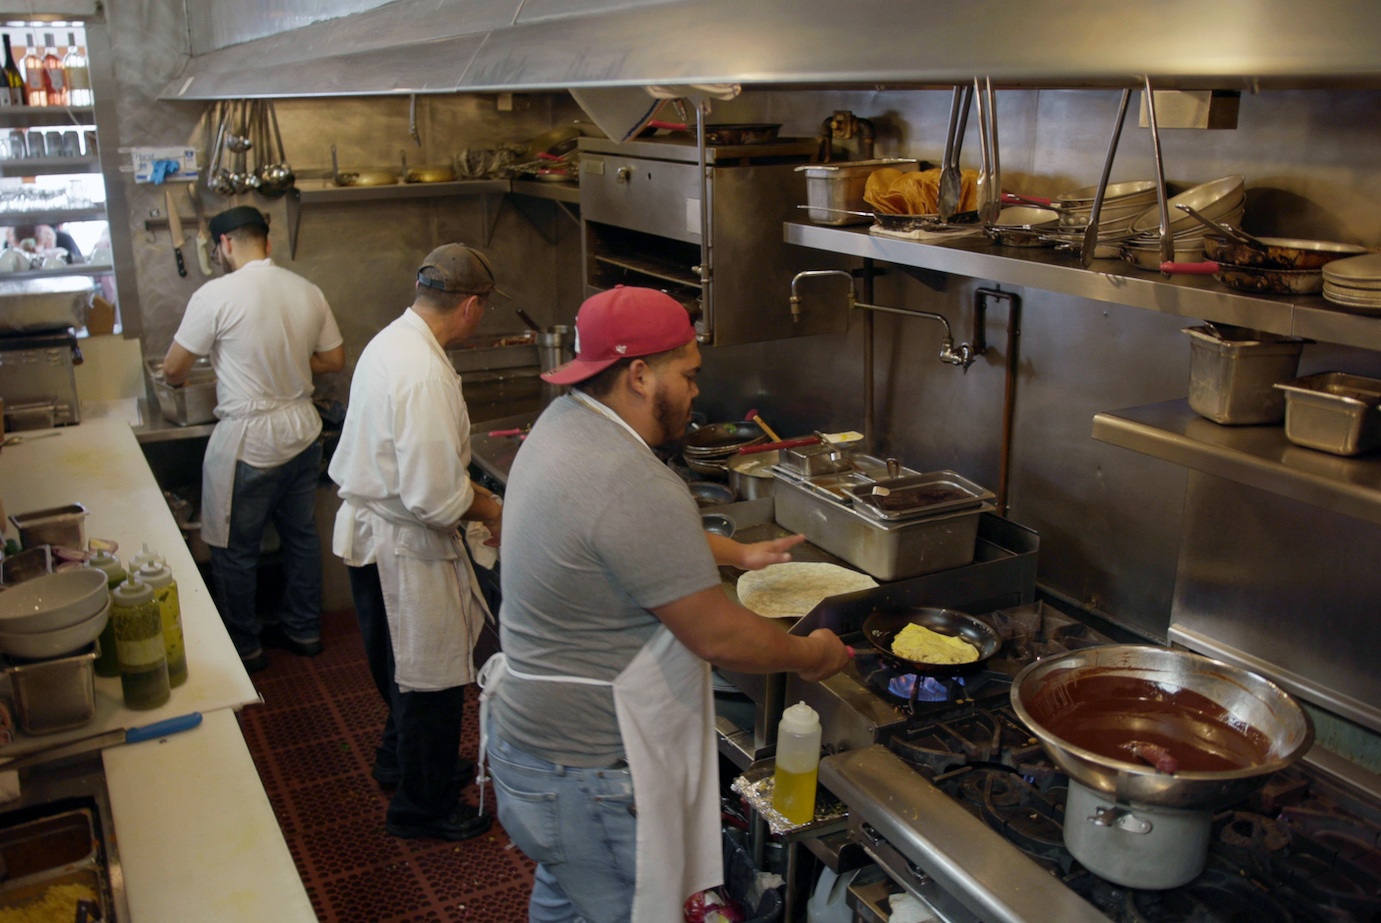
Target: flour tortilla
<point x="793" y="589"/>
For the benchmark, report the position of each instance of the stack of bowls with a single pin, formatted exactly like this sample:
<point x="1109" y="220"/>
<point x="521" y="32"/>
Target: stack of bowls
<point x="1222" y="200"/>
<point x="1354" y="282"/>
<point x="1123" y="203"/>
<point x="707" y="449"/>
<point x="55" y="614"/>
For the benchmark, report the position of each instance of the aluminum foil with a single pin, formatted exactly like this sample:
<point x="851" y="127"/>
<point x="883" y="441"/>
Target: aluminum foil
<point x="758" y="793"/>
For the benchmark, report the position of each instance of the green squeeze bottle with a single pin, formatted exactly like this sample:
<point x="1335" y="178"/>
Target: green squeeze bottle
<point x="159" y="577"/>
<point x="139" y="643"/>
<point x="107" y="662"/>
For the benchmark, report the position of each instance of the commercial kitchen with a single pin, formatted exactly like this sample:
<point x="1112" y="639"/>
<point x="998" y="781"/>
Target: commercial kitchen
<point x="1124" y="495"/>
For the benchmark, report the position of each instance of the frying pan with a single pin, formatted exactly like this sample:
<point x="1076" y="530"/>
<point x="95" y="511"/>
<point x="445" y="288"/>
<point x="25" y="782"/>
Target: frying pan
<point x="1254" y="278"/>
<point x="904" y="222"/>
<point x="1278" y="252"/>
<point x="882" y="626"/>
<point x="726" y="134"/>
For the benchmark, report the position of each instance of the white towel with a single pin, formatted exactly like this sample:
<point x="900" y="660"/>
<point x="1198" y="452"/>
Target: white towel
<point x="476" y="534"/>
<point x="9" y="785"/>
<point x="906" y="909"/>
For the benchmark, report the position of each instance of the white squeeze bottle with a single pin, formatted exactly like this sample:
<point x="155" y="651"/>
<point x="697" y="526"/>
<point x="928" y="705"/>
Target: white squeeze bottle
<point x="798" y="764"/>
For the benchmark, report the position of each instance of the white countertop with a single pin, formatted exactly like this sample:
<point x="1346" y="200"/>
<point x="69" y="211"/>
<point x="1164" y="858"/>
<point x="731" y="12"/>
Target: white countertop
<point x="197" y="836"/>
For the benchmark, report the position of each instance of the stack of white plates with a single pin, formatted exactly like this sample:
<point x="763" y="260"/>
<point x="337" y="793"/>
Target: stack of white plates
<point x="1354" y="282"/>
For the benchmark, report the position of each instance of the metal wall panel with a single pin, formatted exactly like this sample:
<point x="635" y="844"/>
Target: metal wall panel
<point x="214" y="24"/>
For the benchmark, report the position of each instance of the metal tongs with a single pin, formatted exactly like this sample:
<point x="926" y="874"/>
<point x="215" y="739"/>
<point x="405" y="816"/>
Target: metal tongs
<point x="951" y="186"/>
<point x="1090" y="242"/>
<point x="1167" y="237"/>
<point x="990" y="175"/>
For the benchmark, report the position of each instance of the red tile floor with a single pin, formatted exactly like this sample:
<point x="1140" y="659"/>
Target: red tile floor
<point x="313" y="742"/>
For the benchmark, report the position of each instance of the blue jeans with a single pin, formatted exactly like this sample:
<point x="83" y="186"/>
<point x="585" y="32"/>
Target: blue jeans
<point x="287" y="495"/>
<point x="578" y="826"/>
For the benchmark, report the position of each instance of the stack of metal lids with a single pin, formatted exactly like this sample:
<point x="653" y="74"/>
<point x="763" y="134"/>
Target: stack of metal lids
<point x="707" y="450"/>
<point x="1354" y="282"/>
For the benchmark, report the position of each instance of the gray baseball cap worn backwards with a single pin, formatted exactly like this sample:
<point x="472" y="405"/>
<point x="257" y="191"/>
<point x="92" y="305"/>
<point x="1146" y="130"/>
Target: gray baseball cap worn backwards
<point x="461" y="270"/>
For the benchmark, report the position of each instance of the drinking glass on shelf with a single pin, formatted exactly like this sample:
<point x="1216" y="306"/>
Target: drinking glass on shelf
<point x="37" y="147"/>
<point x="71" y="144"/>
<point x="18" y="146"/>
<point x="53" y="141"/>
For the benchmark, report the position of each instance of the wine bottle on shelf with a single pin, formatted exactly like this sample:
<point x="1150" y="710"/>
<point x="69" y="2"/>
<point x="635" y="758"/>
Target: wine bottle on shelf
<point x="78" y="74"/>
<point x="35" y="91"/>
<point x="12" y="93"/>
<point x="53" y="82"/>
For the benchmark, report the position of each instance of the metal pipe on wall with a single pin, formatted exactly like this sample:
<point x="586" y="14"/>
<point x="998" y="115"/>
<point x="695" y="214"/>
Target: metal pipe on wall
<point x="869" y="386"/>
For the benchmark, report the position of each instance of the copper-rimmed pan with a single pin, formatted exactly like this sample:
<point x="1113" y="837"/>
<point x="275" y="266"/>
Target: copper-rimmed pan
<point x="882" y="627"/>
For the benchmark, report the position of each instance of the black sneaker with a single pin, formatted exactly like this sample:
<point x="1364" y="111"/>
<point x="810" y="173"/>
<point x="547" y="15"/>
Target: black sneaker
<point x="274" y="636"/>
<point x="465" y="822"/>
<point x="255" y="663"/>
<point x="389" y="778"/>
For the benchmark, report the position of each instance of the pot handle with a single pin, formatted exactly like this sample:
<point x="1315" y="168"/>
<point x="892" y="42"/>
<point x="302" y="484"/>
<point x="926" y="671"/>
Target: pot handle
<point x="774" y="446"/>
<point x="1206" y="268"/>
<point x="668" y="126"/>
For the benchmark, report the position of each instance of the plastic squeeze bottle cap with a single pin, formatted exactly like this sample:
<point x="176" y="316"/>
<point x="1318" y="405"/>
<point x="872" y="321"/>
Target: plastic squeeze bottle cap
<point x="800" y="719"/>
<point x="155" y="574"/>
<point x="144" y="557"/>
<point x="132" y="592"/>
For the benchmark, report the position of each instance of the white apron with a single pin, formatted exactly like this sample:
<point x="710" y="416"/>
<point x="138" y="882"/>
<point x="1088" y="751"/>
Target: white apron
<point x="421" y="570"/>
<point x="218" y="465"/>
<point x="665" y="709"/>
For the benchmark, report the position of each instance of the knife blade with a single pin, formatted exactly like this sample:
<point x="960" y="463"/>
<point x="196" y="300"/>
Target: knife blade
<point x="103" y="740"/>
<point x="175" y="226"/>
<point x="203" y="231"/>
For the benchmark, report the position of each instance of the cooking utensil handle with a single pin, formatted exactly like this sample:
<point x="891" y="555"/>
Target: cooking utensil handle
<point x="1011" y="198"/>
<point x="1206" y="268"/>
<point x="1090" y="241"/>
<point x="756" y="417"/>
<point x="1167" y="240"/>
<point x="163" y="728"/>
<point x="781" y="444"/>
<point x="668" y="126"/>
<point x="499" y="433"/>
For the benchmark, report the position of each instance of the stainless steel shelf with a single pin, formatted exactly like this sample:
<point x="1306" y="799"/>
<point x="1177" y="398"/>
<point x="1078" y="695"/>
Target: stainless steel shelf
<point x="46" y="166"/>
<point x="24" y="116"/>
<point x="329" y="193"/>
<point x="1258" y="456"/>
<point x="1108" y="280"/>
<point x="80" y="269"/>
<point x="560" y="192"/>
<point x="57" y="216"/>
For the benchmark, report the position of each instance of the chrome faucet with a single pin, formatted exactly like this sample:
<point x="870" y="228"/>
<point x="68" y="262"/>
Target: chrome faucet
<point x="962" y="355"/>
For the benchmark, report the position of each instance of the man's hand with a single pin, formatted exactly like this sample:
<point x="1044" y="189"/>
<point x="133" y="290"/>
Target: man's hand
<point x="834" y="656"/>
<point x="760" y="554"/>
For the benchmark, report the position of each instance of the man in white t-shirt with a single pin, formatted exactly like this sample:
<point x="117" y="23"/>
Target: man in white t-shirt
<point x="267" y="331"/>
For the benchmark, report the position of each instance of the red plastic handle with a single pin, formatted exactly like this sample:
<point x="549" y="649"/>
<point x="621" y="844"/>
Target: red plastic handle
<point x="498" y="433"/>
<point x="1206" y="268"/>
<point x="668" y="126"/>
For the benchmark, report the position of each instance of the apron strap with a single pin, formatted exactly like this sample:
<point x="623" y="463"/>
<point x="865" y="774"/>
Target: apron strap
<point x="491" y="677"/>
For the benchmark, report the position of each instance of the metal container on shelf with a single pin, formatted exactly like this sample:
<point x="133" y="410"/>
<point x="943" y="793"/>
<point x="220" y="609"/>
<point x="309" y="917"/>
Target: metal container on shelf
<point x="1333" y="412"/>
<point x="1232" y="378"/>
<point x="59" y="525"/>
<point x="33" y="305"/>
<point x="54" y="695"/>
<point x="886" y="550"/>
<point x="194" y="402"/>
<point x="833" y="189"/>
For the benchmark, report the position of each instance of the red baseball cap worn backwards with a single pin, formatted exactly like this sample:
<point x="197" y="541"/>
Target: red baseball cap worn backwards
<point x="621" y="323"/>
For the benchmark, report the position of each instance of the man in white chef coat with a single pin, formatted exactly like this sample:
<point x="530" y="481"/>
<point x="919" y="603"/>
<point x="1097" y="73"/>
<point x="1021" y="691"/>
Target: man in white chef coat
<point x="599" y="710"/>
<point x="402" y="466"/>
<point x="267" y="331"/>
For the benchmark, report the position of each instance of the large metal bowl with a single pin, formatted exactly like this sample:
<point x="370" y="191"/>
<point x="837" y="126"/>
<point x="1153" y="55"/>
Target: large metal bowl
<point x="1049" y="689"/>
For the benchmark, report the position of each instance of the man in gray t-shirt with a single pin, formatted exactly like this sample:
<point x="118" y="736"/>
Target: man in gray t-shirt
<point x="600" y="708"/>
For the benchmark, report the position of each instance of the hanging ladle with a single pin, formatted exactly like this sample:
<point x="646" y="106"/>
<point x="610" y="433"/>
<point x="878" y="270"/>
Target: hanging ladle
<point x="239" y="140"/>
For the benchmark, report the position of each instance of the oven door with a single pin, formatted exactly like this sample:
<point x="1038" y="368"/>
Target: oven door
<point x="939" y="852"/>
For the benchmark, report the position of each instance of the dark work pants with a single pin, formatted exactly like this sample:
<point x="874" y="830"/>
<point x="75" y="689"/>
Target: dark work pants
<point x="422" y="732"/>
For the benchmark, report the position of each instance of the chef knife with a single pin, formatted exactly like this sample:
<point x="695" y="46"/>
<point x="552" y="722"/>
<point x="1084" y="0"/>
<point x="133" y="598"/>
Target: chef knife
<point x="174" y="225"/>
<point x="203" y="231"/>
<point x="103" y="740"/>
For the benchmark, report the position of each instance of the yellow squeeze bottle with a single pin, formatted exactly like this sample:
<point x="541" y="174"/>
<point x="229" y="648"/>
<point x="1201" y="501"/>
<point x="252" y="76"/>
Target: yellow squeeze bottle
<point x="798" y="764"/>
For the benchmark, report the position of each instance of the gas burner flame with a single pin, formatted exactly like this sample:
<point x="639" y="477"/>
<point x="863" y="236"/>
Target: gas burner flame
<point x="931" y="689"/>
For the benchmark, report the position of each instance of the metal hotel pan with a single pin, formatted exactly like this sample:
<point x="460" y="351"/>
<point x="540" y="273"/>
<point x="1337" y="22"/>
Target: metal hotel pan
<point x="1278" y="252"/>
<point x="882" y="627"/>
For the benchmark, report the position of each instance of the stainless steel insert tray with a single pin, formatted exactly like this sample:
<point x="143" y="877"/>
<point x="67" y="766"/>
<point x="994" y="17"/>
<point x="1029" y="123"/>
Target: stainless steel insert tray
<point x="1333" y="412"/>
<point x="919" y="495"/>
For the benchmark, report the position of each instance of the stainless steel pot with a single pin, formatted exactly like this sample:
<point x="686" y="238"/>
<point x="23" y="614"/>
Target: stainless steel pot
<point x="1208" y="707"/>
<point x="750" y="476"/>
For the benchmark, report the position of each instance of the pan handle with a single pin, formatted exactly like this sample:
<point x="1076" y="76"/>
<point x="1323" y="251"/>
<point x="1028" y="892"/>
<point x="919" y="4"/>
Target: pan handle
<point x="1206" y="268"/>
<point x="668" y="126"/>
<point x="774" y="446"/>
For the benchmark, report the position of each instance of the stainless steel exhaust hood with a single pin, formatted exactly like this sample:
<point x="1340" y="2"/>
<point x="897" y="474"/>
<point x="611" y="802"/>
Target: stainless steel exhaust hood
<point x="443" y="46"/>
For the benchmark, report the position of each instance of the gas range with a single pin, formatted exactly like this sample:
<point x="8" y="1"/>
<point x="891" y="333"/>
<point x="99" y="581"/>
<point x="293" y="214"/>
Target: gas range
<point x="957" y="802"/>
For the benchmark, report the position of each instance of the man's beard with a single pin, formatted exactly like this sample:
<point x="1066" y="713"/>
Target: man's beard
<point x="671" y="421"/>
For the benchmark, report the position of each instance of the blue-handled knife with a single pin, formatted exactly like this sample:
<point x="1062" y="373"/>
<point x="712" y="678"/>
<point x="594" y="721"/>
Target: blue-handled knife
<point x="104" y="739"/>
